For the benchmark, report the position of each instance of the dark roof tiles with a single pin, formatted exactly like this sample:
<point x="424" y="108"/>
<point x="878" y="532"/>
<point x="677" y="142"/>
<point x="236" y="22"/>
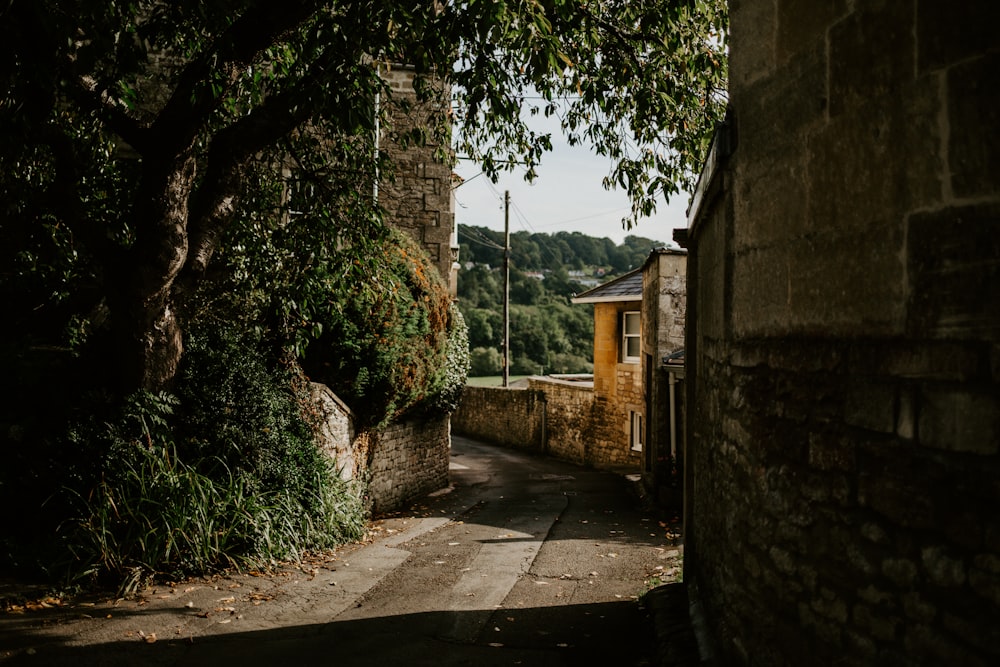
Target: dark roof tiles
<point x="624" y="288"/>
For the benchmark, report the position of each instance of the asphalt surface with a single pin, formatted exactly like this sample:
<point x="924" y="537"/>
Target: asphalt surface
<point x="521" y="561"/>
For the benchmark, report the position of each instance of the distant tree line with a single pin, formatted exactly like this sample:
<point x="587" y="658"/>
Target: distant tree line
<point x="572" y="251"/>
<point x="548" y="334"/>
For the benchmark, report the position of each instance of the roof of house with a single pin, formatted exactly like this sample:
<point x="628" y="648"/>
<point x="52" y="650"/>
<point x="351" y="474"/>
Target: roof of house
<point x="623" y="288"/>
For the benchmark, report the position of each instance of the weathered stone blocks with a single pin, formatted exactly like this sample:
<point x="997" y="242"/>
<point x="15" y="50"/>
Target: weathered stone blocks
<point x="960" y="420"/>
<point x="559" y="418"/>
<point x="509" y="417"/>
<point x="871" y="54"/>
<point x="402" y="461"/>
<point x="946" y="36"/>
<point x="801" y="26"/>
<point x="974" y="154"/>
<point x="845" y="417"/>
<point x="954" y="272"/>
<point x="408" y="459"/>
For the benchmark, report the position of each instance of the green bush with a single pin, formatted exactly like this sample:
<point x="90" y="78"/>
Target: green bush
<point x="226" y="475"/>
<point x="486" y="361"/>
<point x="240" y="410"/>
<point x="153" y="513"/>
<point x="447" y="389"/>
<point x="569" y="363"/>
<point x="384" y="347"/>
<point x="522" y="365"/>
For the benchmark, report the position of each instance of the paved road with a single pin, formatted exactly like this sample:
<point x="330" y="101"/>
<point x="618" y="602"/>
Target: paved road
<point x="523" y="561"/>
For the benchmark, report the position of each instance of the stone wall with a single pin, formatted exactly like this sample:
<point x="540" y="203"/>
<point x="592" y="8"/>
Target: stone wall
<point x="508" y="417"/>
<point x="569" y="420"/>
<point x="586" y="428"/>
<point x="403" y="461"/>
<point x="417" y="196"/>
<point x="410" y="458"/>
<point x="407" y="460"/>
<point x="559" y="418"/>
<point x="664" y="301"/>
<point x="336" y="432"/>
<point x="664" y="308"/>
<point x="844" y="339"/>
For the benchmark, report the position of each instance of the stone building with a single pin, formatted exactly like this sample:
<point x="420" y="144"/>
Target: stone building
<point x="418" y="196"/>
<point x="638" y="318"/>
<point x="843" y="348"/>
<point x="616" y="418"/>
<point x="664" y="311"/>
<point x="620" y="422"/>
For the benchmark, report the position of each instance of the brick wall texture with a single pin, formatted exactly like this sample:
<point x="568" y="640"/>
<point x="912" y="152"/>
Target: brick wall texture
<point x="844" y="356"/>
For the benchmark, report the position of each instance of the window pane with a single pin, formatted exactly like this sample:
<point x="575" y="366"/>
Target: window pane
<point x="635" y="435"/>
<point x="632" y="324"/>
<point x="631" y="347"/>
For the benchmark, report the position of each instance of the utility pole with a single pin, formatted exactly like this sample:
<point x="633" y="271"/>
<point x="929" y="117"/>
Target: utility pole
<point x="506" y="288"/>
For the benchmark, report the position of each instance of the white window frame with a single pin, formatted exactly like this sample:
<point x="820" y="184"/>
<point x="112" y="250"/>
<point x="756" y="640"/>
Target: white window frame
<point x="636" y="431"/>
<point x="627" y="336"/>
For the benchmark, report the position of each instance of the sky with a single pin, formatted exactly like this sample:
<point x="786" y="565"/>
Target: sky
<point x="566" y="195"/>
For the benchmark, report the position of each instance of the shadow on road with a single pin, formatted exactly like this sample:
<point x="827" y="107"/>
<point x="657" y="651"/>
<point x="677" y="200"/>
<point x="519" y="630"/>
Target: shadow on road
<point x="437" y="584"/>
<point x="551" y="636"/>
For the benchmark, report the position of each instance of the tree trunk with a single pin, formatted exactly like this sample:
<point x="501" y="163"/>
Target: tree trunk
<point x="144" y="315"/>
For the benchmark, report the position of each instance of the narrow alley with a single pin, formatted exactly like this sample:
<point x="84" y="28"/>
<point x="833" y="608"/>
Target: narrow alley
<point x="521" y="561"/>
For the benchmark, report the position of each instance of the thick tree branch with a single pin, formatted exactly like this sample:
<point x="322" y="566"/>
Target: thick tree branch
<point x="215" y="202"/>
<point x="260" y="27"/>
<point x="114" y="115"/>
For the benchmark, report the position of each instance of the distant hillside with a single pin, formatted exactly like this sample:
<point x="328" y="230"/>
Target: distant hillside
<point x="539" y="252"/>
<point x="548" y="334"/>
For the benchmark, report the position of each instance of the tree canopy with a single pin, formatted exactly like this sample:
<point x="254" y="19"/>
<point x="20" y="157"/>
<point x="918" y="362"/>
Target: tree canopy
<point x="143" y="139"/>
<point x="204" y="174"/>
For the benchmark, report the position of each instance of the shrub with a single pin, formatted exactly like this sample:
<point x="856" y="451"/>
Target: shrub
<point x="385" y="342"/>
<point x="240" y="410"/>
<point x="522" y="365"/>
<point x="485" y="361"/>
<point x="448" y="387"/>
<point x="569" y="363"/>
<point x="153" y="513"/>
<point x="228" y="475"/>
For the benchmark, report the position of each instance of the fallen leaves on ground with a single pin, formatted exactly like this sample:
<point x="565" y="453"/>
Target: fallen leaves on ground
<point x="48" y="602"/>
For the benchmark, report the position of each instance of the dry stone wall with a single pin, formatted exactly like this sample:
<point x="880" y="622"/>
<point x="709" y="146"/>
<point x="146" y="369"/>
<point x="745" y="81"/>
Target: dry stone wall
<point x="559" y="418"/>
<point x="844" y="358"/>
<point x="407" y="460"/>
<point x="404" y="460"/>
<point x="569" y="420"/>
<point x="508" y="417"/>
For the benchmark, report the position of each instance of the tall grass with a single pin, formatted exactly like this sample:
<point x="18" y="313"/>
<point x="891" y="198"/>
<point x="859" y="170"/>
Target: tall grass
<point x="160" y="516"/>
<point x="225" y="474"/>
